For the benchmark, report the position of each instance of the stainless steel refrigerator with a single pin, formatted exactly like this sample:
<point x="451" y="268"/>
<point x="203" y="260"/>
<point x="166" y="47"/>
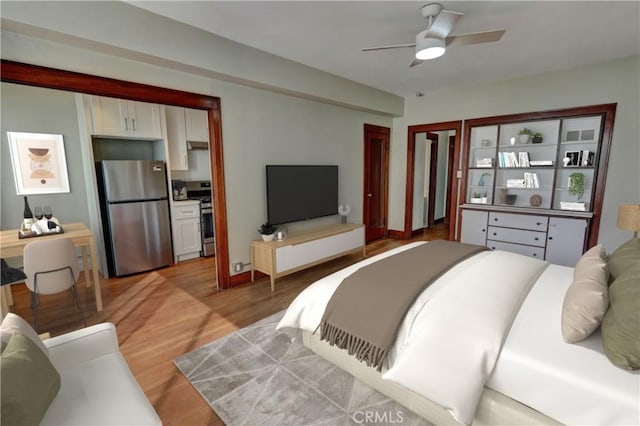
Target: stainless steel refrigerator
<point x="135" y="215"/>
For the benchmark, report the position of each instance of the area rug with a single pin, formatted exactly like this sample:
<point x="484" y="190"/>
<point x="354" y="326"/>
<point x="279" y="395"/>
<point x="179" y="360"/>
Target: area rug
<point x="259" y="376"/>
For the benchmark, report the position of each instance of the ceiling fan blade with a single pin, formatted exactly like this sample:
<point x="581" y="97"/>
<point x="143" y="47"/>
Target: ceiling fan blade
<point x="393" y="46"/>
<point x="443" y="24"/>
<point x="415" y="62"/>
<point x="475" y="38"/>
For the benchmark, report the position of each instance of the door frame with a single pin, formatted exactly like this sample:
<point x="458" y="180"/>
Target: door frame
<point x="451" y="147"/>
<point x="433" y="177"/>
<point x="384" y="187"/>
<point x="453" y="179"/>
<point x="53" y="78"/>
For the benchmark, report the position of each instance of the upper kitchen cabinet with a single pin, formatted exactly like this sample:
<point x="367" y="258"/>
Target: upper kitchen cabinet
<point x="185" y="128"/>
<point x="122" y="118"/>
<point x="176" y="138"/>
<point x="197" y="125"/>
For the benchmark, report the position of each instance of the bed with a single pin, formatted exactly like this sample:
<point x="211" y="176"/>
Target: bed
<point x="526" y="375"/>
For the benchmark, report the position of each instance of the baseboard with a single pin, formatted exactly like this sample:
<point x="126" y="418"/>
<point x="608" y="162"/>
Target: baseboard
<point x="417" y="232"/>
<point x="244" y="277"/>
<point x="398" y="235"/>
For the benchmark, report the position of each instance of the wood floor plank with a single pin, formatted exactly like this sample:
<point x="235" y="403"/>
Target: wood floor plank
<point x="166" y="313"/>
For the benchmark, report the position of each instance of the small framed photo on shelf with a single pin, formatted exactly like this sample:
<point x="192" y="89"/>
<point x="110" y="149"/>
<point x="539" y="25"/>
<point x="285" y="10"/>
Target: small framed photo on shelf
<point x="571" y="158"/>
<point x="587" y="135"/>
<point x="587" y="158"/>
<point x="573" y="135"/>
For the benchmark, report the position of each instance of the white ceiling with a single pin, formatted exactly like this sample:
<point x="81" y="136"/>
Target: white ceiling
<point x="540" y="36"/>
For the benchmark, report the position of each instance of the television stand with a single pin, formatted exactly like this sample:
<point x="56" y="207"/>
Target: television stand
<point x="304" y="249"/>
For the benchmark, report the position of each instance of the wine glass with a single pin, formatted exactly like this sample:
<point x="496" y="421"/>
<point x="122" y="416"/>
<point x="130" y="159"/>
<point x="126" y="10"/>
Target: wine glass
<point x="47" y="212"/>
<point x="37" y="212"/>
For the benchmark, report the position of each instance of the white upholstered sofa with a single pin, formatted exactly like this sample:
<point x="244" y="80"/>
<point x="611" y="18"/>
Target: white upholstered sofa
<point x="96" y="385"/>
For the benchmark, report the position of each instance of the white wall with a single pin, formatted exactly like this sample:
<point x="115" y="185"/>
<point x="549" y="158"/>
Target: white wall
<point x="616" y="81"/>
<point x="259" y="127"/>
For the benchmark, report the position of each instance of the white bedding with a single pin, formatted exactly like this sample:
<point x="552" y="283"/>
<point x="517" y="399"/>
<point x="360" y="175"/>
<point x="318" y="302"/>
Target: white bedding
<point x="456" y="360"/>
<point x="572" y="383"/>
<point x="553" y="378"/>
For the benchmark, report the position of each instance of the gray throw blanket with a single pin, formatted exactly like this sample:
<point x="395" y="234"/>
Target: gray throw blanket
<point x="364" y="313"/>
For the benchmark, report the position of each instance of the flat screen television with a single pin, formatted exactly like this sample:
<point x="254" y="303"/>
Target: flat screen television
<point x="296" y="193"/>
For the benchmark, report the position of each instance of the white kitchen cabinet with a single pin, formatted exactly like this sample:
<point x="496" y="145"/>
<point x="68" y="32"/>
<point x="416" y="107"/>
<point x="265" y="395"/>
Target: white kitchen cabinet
<point x="176" y="138"/>
<point x="125" y="119"/>
<point x="184" y="125"/>
<point x="187" y="240"/>
<point x="197" y="125"/>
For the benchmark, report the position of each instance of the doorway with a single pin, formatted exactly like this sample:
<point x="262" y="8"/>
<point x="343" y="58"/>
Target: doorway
<point x="33" y="75"/>
<point x="376" y="181"/>
<point x="433" y="150"/>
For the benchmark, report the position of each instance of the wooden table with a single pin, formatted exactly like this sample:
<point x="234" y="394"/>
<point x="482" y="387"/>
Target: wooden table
<point x="12" y="246"/>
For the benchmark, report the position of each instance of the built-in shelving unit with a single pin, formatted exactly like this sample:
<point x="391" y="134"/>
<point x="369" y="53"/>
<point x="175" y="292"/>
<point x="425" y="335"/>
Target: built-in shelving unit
<point x="509" y="173"/>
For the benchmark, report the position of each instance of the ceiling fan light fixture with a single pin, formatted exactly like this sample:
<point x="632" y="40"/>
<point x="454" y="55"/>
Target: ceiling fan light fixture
<point x="429" y="48"/>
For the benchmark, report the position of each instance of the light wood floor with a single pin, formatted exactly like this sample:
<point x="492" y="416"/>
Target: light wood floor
<point x="166" y="313"/>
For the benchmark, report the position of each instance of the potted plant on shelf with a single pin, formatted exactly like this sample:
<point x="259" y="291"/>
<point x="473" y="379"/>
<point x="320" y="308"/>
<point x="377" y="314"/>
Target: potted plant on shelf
<point x="576" y="185"/>
<point x="537" y="137"/>
<point x="484" y="199"/>
<point x="525" y="135"/>
<point x="267" y="230"/>
<point x="477" y="198"/>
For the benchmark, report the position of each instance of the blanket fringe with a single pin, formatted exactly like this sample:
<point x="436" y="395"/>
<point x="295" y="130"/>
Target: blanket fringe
<point x="364" y="351"/>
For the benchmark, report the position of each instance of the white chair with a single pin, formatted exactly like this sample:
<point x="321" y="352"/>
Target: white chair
<point x="51" y="266"/>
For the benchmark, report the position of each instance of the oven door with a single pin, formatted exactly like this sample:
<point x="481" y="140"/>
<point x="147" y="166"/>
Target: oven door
<point x="208" y="239"/>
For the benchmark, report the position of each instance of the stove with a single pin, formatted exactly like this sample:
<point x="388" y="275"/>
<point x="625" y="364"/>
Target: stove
<point x="201" y="190"/>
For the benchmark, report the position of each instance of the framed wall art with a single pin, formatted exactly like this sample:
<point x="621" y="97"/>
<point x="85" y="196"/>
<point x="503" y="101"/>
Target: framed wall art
<point x="39" y="163"/>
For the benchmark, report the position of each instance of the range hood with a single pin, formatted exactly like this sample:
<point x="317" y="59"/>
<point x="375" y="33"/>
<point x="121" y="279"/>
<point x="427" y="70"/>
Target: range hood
<point x="197" y="145"/>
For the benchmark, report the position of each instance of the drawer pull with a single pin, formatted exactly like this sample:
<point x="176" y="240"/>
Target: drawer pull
<point x="495" y="219"/>
<point x="484" y="230"/>
<point x="551" y="238"/>
<point x="536" y="238"/>
<point x="495" y="234"/>
<point x="493" y="248"/>
<point x="538" y="223"/>
<point x="535" y="254"/>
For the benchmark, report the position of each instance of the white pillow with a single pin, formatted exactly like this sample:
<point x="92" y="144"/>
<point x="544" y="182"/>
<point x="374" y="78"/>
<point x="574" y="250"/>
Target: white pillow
<point x="587" y="299"/>
<point x="12" y="324"/>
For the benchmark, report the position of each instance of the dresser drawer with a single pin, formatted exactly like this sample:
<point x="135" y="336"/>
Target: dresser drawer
<point x="519" y="236"/>
<point x="520" y="221"/>
<point x="187" y="212"/>
<point x="537" y="252"/>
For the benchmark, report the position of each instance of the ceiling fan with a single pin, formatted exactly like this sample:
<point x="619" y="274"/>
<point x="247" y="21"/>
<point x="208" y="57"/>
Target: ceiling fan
<point x="433" y="41"/>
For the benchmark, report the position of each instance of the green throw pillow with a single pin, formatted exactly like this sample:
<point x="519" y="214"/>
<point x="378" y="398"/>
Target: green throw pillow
<point x="621" y="323"/>
<point x="625" y="256"/>
<point x="29" y="382"/>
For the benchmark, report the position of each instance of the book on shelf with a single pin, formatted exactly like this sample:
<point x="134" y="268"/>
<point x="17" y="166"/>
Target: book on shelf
<point x="534" y="163"/>
<point x="484" y="162"/>
<point x="531" y="180"/>
<point x="573" y="205"/>
<point x="523" y="159"/>
<point x="516" y="183"/>
<point x="508" y="159"/>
